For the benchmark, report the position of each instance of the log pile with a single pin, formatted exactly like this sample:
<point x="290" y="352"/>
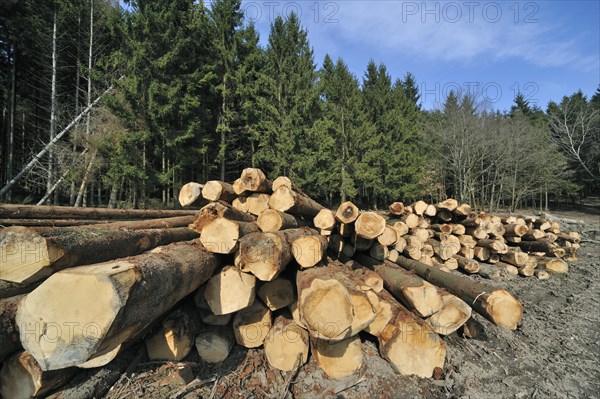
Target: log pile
<point x="266" y="266"/>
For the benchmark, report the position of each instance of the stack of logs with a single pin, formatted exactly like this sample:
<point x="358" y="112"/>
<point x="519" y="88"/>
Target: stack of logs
<point x="261" y="264"/>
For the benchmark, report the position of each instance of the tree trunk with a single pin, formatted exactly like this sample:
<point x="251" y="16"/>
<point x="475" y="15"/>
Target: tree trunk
<point x="369" y="225"/>
<point x="190" y="195"/>
<point x="66" y="212"/>
<point x="53" y="107"/>
<point x="159" y="223"/>
<point x="251" y="325"/>
<point x="215" y="190"/>
<point x="222" y="235"/>
<point x="272" y="220"/>
<point x="252" y="180"/>
<point x="452" y="315"/>
<point x="129" y="295"/>
<point x="325" y="220"/>
<point x="11" y="123"/>
<point x="277" y="294"/>
<point x="216" y="210"/>
<point x="84" y="182"/>
<point x="497" y="305"/>
<point x="214" y="344"/>
<point x="174" y="337"/>
<point x="309" y="250"/>
<point x="285" y="200"/>
<point x="338" y="359"/>
<point x="37" y="255"/>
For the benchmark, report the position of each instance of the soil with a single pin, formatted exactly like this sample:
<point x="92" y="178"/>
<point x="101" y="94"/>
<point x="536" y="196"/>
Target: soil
<point x="554" y="353"/>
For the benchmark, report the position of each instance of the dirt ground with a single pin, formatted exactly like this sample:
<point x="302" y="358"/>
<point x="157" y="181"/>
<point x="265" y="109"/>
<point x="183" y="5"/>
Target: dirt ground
<point x="554" y="353"/>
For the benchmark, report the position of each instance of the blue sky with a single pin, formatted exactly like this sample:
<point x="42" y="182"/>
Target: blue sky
<point x="544" y="49"/>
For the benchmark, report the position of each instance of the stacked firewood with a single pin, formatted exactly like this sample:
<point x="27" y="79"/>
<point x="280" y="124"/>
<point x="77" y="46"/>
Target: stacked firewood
<point x="266" y="266"/>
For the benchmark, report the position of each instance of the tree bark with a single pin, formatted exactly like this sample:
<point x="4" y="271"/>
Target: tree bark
<point x="216" y="210"/>
<point x="9" y="333"/>
<point x="252" y="180"/>
<point x="215" y="190"/>
<point x="190" y="195"/>
<point x="66" y="212"/>
<point x="285" y="200"/>
<point x="31" y="256"/>
<point x="129" y="294"/>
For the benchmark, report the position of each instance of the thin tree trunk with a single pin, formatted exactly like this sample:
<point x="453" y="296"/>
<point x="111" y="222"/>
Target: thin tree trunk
<point x="112" y="201"/>
<point x="86" y="175"/>
<point x="53" y="107"/>
<point x="11" y="128"/>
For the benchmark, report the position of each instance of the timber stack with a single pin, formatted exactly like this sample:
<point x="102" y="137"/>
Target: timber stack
<point x="258" y="263"/>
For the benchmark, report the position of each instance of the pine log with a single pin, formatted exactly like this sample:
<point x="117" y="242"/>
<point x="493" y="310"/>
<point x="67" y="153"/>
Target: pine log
<point x="252" y="180"/>
<point x="347" y="213"/>
<point x="388" y="237"/>
<point x="285" y="200"/>
<point x="467" y="241"/>
<point x="68" y="212"/>
<point x="325" y="220"/>
<point x="240" y="204"/>
<point x="481" y="253"/>
<point x="421" y="234"/>
<point x="477" y="232"/>
<point x="462" y="210"/>
<point x="510" y="269"/>
<point x="428" y="250"/>
<point x="257" y="203"/>
<point x="396" y="208"/>
<point x="400" y="227"/>
<point x="190" y="195"/>
<point x="408" y="343"/>
<point x="30" y="256"/>
<point x="44" y="224"/>
<point x="552" y="264"/>
<point x="9" y="289"/>
<point x="442" y="228"/>
<point x="430" y="211"/>
<point x="473" y="220"/>
<point x="213" y="344"/>
<point x="498" y="305"/>
<point x="413" y="247"/>
<point x="251" y="325"/>
<point x="272" y="220"/>
<point x="267" y="254"/>
<point x="383" y="313"/>
<point x="129" y="294"/>
<point x="452" y="315"/>
<point x="22" y="377"/>
<point x="473" y="329"/>
<point x="458" y="229"/>
<point x="533" y="235"/>
<point x="467" y="252"/>
<point x="277" y="294"/>
<point x="160" y="223"/>
<point x="426" y="259"/>
<point x="400" y="244"/>
<point x="206" y="314"/>
<point x="9" y="333"/>
<point x="309" y="250"/>
<point x="222" y="235"/>
<point x="174" y="337"/>
<point x="515" y="230"/>
<point x="338" y="359"/>
<point x="495" y="272"/>
<point x="286" y="343"/>
<point x="528" y="270"/>
<point x="414" y="292"/>
<point x="284" y="181"/>
<point x="371" y="279"/>
<point x="215" y="190"/>
<point x="216" y="210"/>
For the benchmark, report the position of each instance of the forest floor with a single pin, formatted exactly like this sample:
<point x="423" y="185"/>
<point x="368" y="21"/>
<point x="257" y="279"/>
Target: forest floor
<point x="554" y="353"/>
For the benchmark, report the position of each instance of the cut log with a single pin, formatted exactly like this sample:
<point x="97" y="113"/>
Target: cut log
<point x="528" y="270"/>
<point x="533" y="235"/>
<point x="284" y="181"/>
<point x="222" y="235"/>
<point x="467" y="241"/>
<point x="216" y="210"/>
<point x="515" y="257"/>
<point x="481" y="253"/>
<point x="230" y="290"/>
<point x="369" y="225"/>
<point x="257" y="203"/>
<point x="452" y="315"/>
<point x="267" y="254"/>
<point x="347" y="213"/>
<point x="469" y="266"/>
<point x="379" y="252"/>
<point x="430" y="211"/>
<point x="442" y="228"/>
<point x="9" y="333"/>
<point x="346" y="229"/>
<point x="542" y="275"/>
<point x="443" y="215"/>
<point x="371" y="279"/>
<point x="496" y="246"/>
<point x="462" y="210"/>
<point x="419" y="207"/>
<point x="309" y="250"/>
<point x="240" y="204"/>
<point x="408" y="343"/>
<point x="515" y="230"/>
<point x="467" y="252"/>
<point x="498" y="305"/>
<point x="252" y="180"/>
<point x="214" y="344"/>
<point x="383" y="313"/>
<point x="473" y="329"/>
<point x="43" y="224"/>
<point x="272" y="220"/>
<point x="450" y="204"/>
<point x="190" y="195"/>
<point x="22" y="377"/>
<point x="411" y="220"/>
<point x="285" y="200"/>
<point x="421" y="234"/>
<point x="477" y="232"/>
<point x="160" y="223"/>
<point x="510" y="269"/>
<point x="549" y="248"/>
<point x="251" y="325"/>
<point x="69" y="212"/>
<point x="277" y="294"/>
<point x="458" y="229"/>
<point x="129" y="294"/>
<point x="552" y="264"/>
<point x="286" y="346"/>
<point x="472" y="220"/>
<point x="215" y="190"/>
<point x="396" y="208"/>
<point x="400" y="227"/>
<point x="400" y="244"/>
<point x="413" y="247"/>
<point x="338" y="359"/>
<point x="30" y="256"/>
<point x="325" y="220"/>
<point x="174" y="338"/>
<point x="414" y="292"/>
<point x="388" y="237"/>
<point x="495" y="272"/>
